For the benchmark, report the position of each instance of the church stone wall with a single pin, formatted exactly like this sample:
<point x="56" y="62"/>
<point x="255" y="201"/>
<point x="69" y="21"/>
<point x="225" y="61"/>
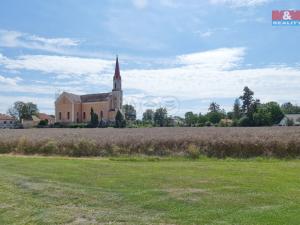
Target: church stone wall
<point x="63" y="107"/>
<point x="97" y="107"/>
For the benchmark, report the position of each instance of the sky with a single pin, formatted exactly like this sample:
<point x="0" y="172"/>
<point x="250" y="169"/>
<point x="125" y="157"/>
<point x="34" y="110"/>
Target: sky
<point x="181" y="55"/>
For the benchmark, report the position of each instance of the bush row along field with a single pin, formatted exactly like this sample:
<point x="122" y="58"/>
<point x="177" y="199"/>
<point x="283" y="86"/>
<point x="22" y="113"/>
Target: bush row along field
<point x="212" y="142"/>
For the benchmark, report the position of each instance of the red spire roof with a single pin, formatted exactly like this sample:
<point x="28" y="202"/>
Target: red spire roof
<point x="117" y="75"/>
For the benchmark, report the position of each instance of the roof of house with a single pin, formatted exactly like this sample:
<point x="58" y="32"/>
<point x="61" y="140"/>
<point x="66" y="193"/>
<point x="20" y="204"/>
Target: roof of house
<point x="293" y="116"/>
<point x="5" y="117"/>
<point x="44" y="116"/>
<point x="95" y="97"/>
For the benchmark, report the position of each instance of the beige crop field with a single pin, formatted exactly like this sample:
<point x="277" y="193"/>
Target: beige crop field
<point x="210" y="141"/>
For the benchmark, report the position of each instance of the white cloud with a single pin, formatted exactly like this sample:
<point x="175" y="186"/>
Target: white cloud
<point x="170" y="3"/>
<point x="188" y="83"/>
<point x="140" y="4"/>
<point x="206" y="34"/>
<point x="9" y="81"/>
<point x="15" y="39"/>
<point x="219" y="59"/>
<point x="240" y="3"/>
<point x="61" y="65"/>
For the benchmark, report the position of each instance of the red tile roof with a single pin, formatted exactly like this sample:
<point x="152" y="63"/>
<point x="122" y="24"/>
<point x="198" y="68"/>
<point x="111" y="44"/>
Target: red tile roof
<point x="5" y="117"/>
<point x="44" y="116"/>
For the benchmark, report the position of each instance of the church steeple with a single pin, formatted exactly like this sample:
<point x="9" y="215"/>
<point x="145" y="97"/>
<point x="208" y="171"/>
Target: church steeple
<point x="117" y="75"/>
<point x="117" y="94"/>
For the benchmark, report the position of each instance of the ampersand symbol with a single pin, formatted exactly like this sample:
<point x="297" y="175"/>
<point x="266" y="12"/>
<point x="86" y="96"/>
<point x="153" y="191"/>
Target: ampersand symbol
<point x="286" y="15"/>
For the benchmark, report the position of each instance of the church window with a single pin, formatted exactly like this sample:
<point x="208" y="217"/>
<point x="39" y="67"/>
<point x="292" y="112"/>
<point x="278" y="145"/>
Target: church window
<point x="68" y="115"/>
<point x="59" y="116"/>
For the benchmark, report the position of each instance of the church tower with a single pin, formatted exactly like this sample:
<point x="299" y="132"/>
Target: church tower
<point x="117" y="94"/>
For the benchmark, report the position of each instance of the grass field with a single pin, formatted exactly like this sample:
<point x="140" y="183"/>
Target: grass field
<point x="41" y="190"/>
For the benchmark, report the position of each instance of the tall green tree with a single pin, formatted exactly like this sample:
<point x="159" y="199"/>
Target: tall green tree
<point x="120" y="121"/>
<point x="94" y="119"/>
<point x="160" y="117"/>
<point x="236" y="109"/>
<point x="129" y="112"/>
<point x="247" y="100"/>
<point x="148" y="116"/>
<point x="214" y="107"/>
<point x="191" y="119"/>
<point x="23" y="110"/>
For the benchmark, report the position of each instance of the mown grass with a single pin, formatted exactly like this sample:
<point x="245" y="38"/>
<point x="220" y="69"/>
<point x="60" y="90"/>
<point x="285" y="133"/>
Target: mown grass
<point x="40" y="190"/>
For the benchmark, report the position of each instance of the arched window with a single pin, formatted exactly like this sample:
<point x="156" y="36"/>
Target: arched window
<point x="83" y="115"/>
<point x="68" y="115"/>
<point x="59" y="116"/>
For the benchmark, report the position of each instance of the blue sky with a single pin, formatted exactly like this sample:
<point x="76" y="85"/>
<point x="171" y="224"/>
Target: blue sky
<point x="179" y="54"/>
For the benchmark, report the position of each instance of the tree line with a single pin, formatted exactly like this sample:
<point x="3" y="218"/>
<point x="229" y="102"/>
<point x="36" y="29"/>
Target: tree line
<point x="246" y="111"/>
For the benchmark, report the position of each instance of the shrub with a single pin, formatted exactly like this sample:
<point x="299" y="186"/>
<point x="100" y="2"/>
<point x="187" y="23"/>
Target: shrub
<point x="50" y="147"/>
<point x="193" y="151"/>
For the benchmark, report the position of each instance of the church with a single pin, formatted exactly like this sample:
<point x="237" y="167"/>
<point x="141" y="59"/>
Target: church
<point x="72" y="108"/>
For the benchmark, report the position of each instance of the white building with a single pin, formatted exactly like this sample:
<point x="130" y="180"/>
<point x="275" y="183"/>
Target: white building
<point x="7" y="121"/>
<point x="290" y="119"/>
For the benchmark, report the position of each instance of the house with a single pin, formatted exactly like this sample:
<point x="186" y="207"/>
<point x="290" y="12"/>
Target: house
<point x="30" y="123"/>
<point x="49" y="118"/>
<point x="7" y="121"/>
<point x="290" y="120"/>
<point x="36" y="119"/>
<point x="72" y="108"/>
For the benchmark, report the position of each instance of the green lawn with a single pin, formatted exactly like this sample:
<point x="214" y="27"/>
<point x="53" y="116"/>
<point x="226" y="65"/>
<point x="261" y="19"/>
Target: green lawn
<point x="103" y="191"/>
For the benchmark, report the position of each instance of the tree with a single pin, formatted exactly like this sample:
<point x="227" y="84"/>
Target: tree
<point x="274" y="109"/>
<point x="120" y="122"/>
<point x="236" y="109"/>
<point x="148" y="116"/>
<point x="202" y="119"/>
<point x="262" y="117"/>
<point x="247" y="100"/>
<point x="214" y="107"/>
<point x="214" y="117"/>
<point x="22" y="110"/>
<point x="94" y="119"/>
<point x="129" y="112"/>
<point x="160" y="117"/>
<point x="289" y="108"/>
<point x="191" y="119"/>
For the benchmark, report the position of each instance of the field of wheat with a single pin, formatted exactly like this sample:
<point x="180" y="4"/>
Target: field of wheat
<point x="192" y="142"/>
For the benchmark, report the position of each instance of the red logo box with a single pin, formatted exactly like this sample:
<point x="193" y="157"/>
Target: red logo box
<point x="280" y="14"/>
